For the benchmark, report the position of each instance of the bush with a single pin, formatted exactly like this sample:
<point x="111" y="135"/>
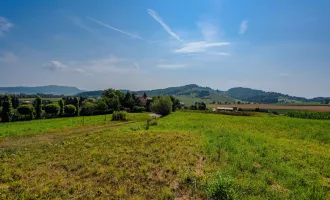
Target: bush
<point x="138" y="109"/>
<point x="52" y="109"/>
<point x="70" y="109"/>
<point x="26" y="110"/>
<point x="88" y="108"/>
<point x="162" y="106"/>
<point x="119" y="116"/>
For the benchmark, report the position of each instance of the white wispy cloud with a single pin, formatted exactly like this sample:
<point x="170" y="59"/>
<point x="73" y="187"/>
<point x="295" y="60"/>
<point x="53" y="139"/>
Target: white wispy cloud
<point x="79" y="70"/>
<point x="5" y="25"/>
<point x="284" y="74"/>
<point x="116" y="29"/>
<point x="243" y="27"/>
<point x="202" y="46"/>
<point x="136" y="65"/>
<point x="209" y="31"/>
<point x="154" y="14"/>
<point x="220" y="53"/>
<point x="54" y="65"/>
<point x="171" y="66"/>
<point x="8" y="57"/>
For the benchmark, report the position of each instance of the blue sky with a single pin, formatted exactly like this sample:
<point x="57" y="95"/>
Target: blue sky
<point x="281" y="46"/>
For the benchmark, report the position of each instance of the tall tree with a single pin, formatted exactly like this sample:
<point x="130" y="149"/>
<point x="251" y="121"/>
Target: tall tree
<point x="7" y="109"/>
<point x="61" y="104"/>
<point x="76" y="103"/>
<point x="14" y="101"/>
<point x="38" y="106"/>
<point x="128" y="101"/>
<point x="145" y="95"/>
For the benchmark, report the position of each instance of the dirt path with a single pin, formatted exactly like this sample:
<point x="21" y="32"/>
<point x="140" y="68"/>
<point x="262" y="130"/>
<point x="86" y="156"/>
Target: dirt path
<point x="56" y="135"/>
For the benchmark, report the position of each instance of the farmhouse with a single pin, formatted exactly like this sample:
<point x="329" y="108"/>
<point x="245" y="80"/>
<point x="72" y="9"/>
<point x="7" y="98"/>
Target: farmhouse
<point x="224" y="109"/>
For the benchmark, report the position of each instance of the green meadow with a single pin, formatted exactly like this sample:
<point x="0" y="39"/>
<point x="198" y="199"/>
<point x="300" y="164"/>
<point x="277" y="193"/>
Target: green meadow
<point x="185" y="155"/>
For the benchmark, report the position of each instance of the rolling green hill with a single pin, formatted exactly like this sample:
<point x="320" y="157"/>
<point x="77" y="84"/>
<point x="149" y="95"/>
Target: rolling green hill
<point x="50" y="89"/>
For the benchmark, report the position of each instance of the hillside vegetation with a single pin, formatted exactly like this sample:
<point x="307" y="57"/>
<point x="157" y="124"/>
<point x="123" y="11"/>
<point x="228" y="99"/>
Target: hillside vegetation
<point x="187" y="155"/>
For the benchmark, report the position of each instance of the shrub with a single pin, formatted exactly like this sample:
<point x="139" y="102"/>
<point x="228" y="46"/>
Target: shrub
<point x="119" y="116"/>
<point x="138" y="109"/>
<point x="26" y="110"/>
<point x="239" y="109"/>
<point x="52" y="109"/>
<point x="162" y="106"/>
<point x="70" y="109"/>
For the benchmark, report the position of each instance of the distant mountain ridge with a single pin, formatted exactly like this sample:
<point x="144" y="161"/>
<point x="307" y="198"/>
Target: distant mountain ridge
<point x="50" y="89"/>
<point x="190" y="90"/>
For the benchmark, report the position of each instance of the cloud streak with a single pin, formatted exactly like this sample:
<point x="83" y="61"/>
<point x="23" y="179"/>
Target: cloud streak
<point x="171" y="66"/>
<point x="118" y="30"/>
<point x="54" y="65"/>
<point x="154" y="15"/>
<point x="77" y="21"/>
<point x="243" y="27"/>
<point x="202" y="46"/>
<point x="5" y="25"/>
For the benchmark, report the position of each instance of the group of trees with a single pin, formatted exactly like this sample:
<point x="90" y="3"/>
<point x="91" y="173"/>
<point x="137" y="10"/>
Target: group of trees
<point x="198" y="106"/>
<point x="110" y="101"/>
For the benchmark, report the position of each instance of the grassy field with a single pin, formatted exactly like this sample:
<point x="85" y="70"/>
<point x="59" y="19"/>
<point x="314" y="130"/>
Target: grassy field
<point x="315" y="108"/>
<point x="190" y="99"/>
<point x="187" y="155"/>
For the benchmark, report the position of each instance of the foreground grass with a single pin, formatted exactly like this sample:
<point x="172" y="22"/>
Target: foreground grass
<point x="187" y="155"/>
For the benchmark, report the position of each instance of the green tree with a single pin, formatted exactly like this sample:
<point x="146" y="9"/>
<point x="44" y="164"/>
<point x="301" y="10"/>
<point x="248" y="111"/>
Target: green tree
<point x="88" y="108"/>
<point x="38" y="107"/>
<point x="7" y="110"/>
<point x="175" y="103"/>
<point x="52" y="109"/>
<point x="128" y="101"/>
<point x="101" y="107"/>
<point x="162" y="106"/>
<point x="26" y="110"/>
<point x="202" y="106"/>
<point x="145" y="95"/>
<point x="61" y="104"/>
<point x="14" y="101"/>
<point x="70" y="109"/>
<point x="76" y="104"/>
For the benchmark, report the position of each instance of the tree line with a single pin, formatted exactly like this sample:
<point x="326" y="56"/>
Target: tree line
<point x="111" y="100"/>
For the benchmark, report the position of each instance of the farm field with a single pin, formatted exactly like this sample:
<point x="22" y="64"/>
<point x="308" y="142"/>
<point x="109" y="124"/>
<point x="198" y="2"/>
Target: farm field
<point x="315" y="108"/>
<point x="187" y="155"/>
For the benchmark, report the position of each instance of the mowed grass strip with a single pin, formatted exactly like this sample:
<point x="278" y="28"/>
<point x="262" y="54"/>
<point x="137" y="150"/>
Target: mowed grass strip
<point x="35" y="127"/>
<point x="124" y="162"/>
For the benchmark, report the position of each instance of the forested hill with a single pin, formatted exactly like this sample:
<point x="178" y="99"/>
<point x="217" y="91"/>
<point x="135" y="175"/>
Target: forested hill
<point x="180" y="90"/>
<point x="50" y="89"/>
<point x="251" y="95"/>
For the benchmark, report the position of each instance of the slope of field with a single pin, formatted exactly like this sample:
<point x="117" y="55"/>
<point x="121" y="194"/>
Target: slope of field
<point x="187" y="155"/>
<point x="316" y="108"/>
<point x="191" y="99"/>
